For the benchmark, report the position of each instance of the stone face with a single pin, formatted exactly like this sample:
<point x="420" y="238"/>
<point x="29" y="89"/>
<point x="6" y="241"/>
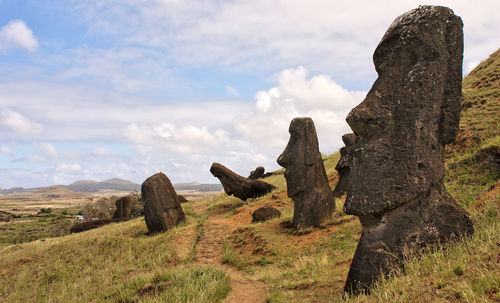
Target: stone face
<point x="392" y="167"/>
<point x="162" y="208"/>
<point x="265" y="213"/>
<point x="123" y="207"/>
<point x="257" y="173"/>
<point x="307" y="183"/>
<point x="237" y="185"/>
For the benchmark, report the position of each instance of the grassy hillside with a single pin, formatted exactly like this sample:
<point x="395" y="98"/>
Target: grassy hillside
<point x="218" y="248"/>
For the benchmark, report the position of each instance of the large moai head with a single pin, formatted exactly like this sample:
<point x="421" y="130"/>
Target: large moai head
<point x="392" y="166"/>
<point x="411" y="112"/>
<point x="301" y="156"/>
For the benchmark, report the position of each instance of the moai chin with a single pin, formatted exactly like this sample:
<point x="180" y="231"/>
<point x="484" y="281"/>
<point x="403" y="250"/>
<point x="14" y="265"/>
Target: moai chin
<point x="307" y="183"/>
<point x="392" y="167"/>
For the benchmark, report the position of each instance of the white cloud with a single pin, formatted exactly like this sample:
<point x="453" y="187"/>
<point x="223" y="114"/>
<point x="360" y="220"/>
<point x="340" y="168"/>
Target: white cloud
<point x="185" y="139"/>
<point x="18" y="123"/>
<point x="318" y="97"/>
<point x="5" y="149"/>
<point x="231" y="91"/>
<point x="334" y="37"/>
<point x="68" y="167"/>
<point x="16" y="34"/>
<point x="48" y="149"/>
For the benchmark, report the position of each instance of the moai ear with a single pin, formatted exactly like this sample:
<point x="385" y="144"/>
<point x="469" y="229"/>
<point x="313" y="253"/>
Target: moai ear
<point x="452" y="95"/>
<point x="311" y="141"/>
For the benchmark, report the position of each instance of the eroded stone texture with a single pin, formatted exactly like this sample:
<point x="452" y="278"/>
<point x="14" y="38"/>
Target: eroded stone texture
<point x="257" y="173"/>
<point x="265" y="213"/>
<point x="392" y="167"/>
<point x="162" y="208"/>
<point x="307" y="183"/>
<point x="237" y="185"/>
<point x="123" y="207"/>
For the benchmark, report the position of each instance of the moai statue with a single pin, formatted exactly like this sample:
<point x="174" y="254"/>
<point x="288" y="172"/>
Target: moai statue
<point x="257" y="173"/>
<point x="307" y="183"/>
<point x="123" y="208"/>
<point x="237" y="185"/>
<point x="392" y="167"/>
<point x="162" y="207"/>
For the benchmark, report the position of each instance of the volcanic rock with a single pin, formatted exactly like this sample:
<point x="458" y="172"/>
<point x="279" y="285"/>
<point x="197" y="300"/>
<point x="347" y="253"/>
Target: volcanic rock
<point x="123" y="207"/>
<point x="307" y="183"/>
<point x="88" y="225"/>
<point x="257" y="173"/>
<point x="237" y="185"/>
<point x="392" y="167"/>
<point x="162" y="207"/>
<point x="265" y="213"/>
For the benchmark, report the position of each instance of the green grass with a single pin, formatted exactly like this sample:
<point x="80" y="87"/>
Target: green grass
<point x="29" y="228"/>
<point x="84" y="267"/>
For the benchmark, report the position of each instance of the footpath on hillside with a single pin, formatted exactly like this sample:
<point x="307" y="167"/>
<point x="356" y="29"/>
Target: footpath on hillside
<point x="209" y="250"/>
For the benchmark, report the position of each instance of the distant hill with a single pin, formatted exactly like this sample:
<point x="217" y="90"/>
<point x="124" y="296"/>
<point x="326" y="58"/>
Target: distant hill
<point x="56" y="191"/>
<point x="203" y="187"/>
<point x="89" y="186"/>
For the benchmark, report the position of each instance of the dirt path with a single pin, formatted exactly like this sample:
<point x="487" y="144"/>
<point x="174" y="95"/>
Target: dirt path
<point x="209" y="251"/>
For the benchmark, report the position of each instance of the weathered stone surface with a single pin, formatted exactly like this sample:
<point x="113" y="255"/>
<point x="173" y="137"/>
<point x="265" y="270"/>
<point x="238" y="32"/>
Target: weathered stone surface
<point x="307" y="183"/>
<point x="265" y="213"/>
<point x="257" y="173"/>
<point x="392" y="167"/>
<point x="123" y="207"/>
<point x="162" y="208"/>
<point x="237" y="185"/>
<point x="88" y="225"/>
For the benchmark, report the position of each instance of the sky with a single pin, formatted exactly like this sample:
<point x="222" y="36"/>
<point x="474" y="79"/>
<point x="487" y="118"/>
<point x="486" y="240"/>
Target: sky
<point x="98" y="89"/>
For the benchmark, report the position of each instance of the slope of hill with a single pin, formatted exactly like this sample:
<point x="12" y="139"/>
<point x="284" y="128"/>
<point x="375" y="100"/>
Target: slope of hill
<point x="474" y="159"/>
<point x="218" y="248"/>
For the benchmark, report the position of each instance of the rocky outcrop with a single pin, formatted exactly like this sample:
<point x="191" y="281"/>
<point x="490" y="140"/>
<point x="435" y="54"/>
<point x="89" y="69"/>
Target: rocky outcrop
<point x="265" y="213"/>
<point x="257" y="173"/>
<point x="237" y="185"/>
<point x="123" y="207"/>
<point x="162" y="208"/>
<point x="392" y="167"/>
<point x="307" y="183"/>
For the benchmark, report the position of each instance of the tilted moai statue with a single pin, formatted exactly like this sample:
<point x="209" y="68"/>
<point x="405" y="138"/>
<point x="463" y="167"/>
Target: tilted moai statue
<point x="162" y="207"/>
<point x="392" y="167"/>
<point x="306" y="180"/>
<point x="237" y="185"/>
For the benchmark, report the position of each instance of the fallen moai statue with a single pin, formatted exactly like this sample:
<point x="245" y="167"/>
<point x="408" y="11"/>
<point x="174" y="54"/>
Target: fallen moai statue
<point x="237" y="185"/>
<point x="392" y="167"/>
<point x="257" y="173"/>
<point x="306" y="180"/>
<point x="162" y="207"/>
<point x="88" y="225"/>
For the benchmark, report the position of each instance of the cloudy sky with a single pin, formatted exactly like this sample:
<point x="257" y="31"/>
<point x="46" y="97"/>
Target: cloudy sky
<point x="98" y="89"/>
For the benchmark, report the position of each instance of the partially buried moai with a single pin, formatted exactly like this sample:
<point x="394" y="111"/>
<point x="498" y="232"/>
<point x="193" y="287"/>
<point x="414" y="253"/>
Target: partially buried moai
<point x="162" y="207"/>
<point x="307" y="183"/>
<point x="392" y="167"/>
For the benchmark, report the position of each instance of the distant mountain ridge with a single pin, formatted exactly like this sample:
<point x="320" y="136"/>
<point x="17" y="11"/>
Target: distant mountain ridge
<point x="117" y="184"/>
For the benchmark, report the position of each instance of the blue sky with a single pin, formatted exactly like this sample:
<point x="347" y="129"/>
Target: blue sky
<point x="99" y="89"/>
